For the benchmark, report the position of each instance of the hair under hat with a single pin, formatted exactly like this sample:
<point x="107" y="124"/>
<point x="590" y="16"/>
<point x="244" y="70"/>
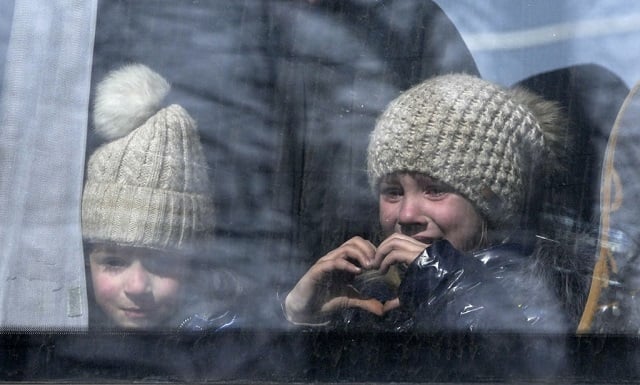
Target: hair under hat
<point x="148" y="186"/>
<point x="483" y="140"/>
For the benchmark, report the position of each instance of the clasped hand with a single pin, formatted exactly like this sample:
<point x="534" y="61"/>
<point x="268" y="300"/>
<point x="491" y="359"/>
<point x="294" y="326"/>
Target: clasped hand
<point x="326" y="287"/>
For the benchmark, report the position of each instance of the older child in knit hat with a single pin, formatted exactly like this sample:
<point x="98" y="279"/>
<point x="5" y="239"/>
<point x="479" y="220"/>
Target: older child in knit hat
<point x="454" y="162"/>
<point x="147" y="210"/>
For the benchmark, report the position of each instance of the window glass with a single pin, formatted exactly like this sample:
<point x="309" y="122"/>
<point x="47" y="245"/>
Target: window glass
<point x="319" y="190"/>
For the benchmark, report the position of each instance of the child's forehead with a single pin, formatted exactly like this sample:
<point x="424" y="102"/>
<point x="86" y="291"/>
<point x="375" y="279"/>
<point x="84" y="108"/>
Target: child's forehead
<point x="124" y="251"/>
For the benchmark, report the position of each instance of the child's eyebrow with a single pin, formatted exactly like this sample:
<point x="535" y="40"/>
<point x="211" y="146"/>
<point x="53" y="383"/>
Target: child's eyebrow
<point x="426" y="180"/>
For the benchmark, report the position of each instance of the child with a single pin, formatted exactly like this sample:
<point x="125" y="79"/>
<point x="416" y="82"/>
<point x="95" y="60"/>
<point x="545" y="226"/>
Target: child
<point x="147" y="212"/>
<point x="455" y="162"/>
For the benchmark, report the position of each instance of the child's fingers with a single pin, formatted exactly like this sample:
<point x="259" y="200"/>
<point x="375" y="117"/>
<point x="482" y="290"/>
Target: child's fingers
<point x="397" y="240"/>
<point x="313" y="282"/>
<point x="301" y="302"/>
<point x="321" y="268"/>
<point x="397" y="249"/>
<point x="356" y="249"/>
<point x="365" y="247"/>
<point x="349" y="258"/>
<point x="397" y="257"/>
<point x="391" y="304"/>
<point x="345" y="302"/>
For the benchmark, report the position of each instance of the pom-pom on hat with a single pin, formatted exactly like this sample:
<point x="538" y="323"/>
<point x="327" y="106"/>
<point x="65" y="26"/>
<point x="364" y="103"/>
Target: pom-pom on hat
<point x="483" y="140"/>
<point x="148" y="186"/>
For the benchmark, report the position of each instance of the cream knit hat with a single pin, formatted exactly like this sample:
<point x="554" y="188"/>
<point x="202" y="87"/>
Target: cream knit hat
<point x="483" y="140"/>
<point x="148" y="186"/>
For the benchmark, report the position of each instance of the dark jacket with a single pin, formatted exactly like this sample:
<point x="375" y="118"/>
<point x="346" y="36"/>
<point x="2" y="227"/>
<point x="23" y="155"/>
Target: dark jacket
<point x="491" y="290"/>
<point x="504" y="288"/>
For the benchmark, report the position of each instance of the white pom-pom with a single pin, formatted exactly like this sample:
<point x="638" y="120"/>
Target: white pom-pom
<point x="126" y="98"/>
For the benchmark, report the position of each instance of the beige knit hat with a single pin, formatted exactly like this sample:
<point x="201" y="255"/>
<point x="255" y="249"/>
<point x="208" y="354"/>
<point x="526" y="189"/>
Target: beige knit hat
<point x="148" y="186"/>
<point x="483" y="140"/>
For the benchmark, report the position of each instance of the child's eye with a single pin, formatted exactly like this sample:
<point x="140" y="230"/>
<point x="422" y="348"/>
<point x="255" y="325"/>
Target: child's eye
<point x="114" y="263"/>
<point x="436" y="191"/>
<point x="391" y="192"/>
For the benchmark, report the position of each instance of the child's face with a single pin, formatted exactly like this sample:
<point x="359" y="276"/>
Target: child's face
<point x="418" y="206"/>
<point x="136" y="288"/>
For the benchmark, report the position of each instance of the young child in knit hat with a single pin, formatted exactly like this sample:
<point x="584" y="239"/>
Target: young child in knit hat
<point x="455" y="162"/>
<point x="147" y="210"/>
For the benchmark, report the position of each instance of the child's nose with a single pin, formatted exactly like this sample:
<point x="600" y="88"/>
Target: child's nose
<point x="138" y="280"/>
<point x="410" y="210"/>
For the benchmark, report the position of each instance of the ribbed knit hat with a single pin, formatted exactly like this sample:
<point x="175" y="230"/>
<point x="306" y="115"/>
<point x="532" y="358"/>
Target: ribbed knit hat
<point x="148" y="186"/>
<point x="483" y="140"/>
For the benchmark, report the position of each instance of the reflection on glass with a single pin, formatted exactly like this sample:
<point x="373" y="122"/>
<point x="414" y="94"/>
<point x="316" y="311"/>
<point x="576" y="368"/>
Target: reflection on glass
<point x="286" y="94"/>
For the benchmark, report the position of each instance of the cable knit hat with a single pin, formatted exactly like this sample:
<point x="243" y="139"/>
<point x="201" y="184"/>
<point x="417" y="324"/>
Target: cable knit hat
<point x="483" y="140"/>
<point x="148" y="185"/>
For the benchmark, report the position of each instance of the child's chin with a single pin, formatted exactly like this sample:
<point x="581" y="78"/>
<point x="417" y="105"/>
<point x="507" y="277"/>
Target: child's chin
<point x="134" y="326"/>
<point x="138" y="324"/>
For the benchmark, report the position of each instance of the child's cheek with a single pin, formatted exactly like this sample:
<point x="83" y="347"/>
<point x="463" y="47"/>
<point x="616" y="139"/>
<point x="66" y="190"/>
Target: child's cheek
<point x="105" y="287"/>
<point x="387" y="218"/>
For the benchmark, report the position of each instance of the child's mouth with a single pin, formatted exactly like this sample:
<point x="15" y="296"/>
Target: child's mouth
<point x="137" y="313"/>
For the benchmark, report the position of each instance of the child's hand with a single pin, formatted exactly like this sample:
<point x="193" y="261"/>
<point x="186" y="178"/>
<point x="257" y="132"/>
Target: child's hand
<point x="326" y="287"/>
<point x="396" y="249"/>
